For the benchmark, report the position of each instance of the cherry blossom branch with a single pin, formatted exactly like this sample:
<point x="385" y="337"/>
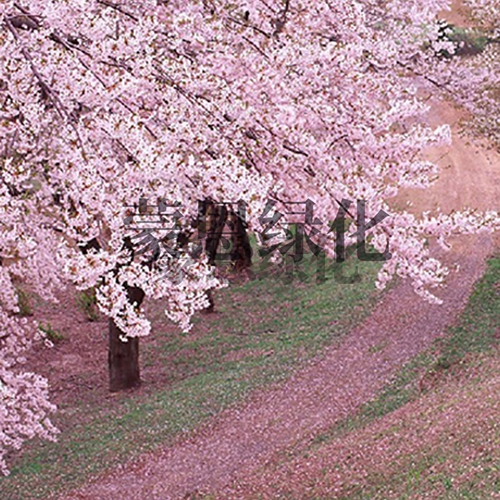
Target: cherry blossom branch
<point x="47" y="91"/>
<point x="256" y="47"/>
<point x="280" y="22"/>
<point x="118" y="8"/>
<point x="44" y="86"/>
<point x="248" y="25"/>
<point x="442" y="86"/>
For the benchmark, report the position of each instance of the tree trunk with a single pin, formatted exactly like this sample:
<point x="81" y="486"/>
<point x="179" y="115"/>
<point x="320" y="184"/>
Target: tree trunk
<point x="241" y="252"/>
<point x="123" y="357"/>
<point x="215" y="217"/>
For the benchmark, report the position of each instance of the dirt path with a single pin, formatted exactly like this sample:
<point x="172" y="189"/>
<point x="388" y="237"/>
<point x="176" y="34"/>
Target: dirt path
<point x="242" y="438"/>
<point x="447" y="436"/>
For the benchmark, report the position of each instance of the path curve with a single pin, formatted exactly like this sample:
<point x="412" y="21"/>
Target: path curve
<point x="333" y="386"/>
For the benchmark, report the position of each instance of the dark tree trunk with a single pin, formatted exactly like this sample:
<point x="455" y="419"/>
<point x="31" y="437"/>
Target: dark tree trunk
<point x="214" y="220"/>
<point x="123" y="357"/>
<point x="241" y="252"/>
<point x="216" y="217"/>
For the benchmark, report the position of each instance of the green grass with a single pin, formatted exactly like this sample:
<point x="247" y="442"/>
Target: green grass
<point x="86" y="300"/>
<point x="467" y="41"/>
<point x="265" y="330"/>
<point x="50" y="333"/>
<point x="413" y="479"/>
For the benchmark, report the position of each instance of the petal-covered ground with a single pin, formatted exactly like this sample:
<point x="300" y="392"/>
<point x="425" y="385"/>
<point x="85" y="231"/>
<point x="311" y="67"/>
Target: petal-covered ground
<point x="446" y="440"/>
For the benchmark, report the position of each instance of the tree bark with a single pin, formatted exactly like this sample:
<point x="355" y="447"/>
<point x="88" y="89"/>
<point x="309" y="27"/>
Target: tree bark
<point x="215" y="217"/>
<point x="123" y="357"/>
<point x="241" y="252"/>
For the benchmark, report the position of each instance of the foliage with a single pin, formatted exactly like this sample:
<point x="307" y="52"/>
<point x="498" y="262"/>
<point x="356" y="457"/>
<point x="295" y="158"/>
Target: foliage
<point x="466" y="42"/>
<point x="24" y="302"/>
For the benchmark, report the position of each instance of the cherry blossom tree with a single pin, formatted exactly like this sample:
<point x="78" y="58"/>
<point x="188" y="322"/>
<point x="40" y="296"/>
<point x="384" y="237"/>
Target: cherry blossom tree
<point x="107" y="103"/>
